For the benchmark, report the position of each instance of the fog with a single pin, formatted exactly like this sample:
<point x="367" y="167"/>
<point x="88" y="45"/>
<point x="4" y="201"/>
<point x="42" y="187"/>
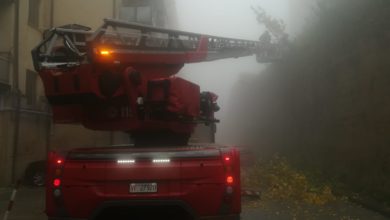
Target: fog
<point x="227" y="18"/>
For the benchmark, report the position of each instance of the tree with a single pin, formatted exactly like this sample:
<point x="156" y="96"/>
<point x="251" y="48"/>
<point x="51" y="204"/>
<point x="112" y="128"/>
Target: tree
<point x="276" y="27"/>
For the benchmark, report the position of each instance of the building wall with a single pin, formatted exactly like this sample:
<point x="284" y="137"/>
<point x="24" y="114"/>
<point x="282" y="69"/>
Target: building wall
<point x="164" y="11"/>
<point x="31" y="140"/>
<point x="6" y="24"/>
<point x="6" y="33"/>
<point x="6" y="123"/>
<point x="87" y="12"/>
<point x="34" y="118"/>
<point x="170" y="14"/>
<point x="36" y="133"/>
<point x="29" y="37"/>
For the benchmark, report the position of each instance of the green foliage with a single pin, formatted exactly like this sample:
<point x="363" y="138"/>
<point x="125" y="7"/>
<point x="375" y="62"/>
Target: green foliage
<point x="277" y="27"/>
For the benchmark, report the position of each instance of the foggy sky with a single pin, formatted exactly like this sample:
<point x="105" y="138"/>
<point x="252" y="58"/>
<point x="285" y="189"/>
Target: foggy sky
<point x="227" y="18"/>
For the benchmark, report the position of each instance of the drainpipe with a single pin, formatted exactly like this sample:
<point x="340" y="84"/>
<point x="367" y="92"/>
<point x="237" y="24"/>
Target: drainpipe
<point x="114" y="10"/>
<point x="16" y="92"/>
<point x="51" y="13"/>
<point x="48" y="123"/>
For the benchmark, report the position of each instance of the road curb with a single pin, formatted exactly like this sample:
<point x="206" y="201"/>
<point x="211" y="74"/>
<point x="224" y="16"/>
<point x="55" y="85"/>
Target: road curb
<point x="11" y="200"/>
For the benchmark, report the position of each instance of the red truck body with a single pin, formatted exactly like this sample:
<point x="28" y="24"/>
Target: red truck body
<point x="202" y="181"/>
<point x="122" y="78"/>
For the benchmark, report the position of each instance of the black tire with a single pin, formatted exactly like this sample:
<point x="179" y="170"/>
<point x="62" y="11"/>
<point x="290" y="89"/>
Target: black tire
<point x="35" y="174"/>
<point x="38" y="179"/>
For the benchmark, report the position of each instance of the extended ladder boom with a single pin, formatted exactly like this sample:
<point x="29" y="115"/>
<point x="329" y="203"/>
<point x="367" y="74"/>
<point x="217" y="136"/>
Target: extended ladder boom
<point x="121" y="77"/>
<point x="137" y="43"/>
<point x="185" y="47"/>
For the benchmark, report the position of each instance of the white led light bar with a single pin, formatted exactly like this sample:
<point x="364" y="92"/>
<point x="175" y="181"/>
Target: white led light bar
<point x="161" y="160"/>
<point x="125" y="161"/>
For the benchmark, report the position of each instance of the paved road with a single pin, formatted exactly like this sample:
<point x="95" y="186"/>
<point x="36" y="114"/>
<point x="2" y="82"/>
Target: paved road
<point x="338" y="210"/>
<point x="29" y="205"/>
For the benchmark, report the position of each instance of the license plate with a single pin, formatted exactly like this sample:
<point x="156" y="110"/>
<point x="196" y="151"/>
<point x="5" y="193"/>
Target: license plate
<point x="143" y="187"/>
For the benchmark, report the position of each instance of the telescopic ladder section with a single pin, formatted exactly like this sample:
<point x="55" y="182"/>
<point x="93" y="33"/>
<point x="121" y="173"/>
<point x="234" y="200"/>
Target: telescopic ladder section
<point x="136" y="43"/>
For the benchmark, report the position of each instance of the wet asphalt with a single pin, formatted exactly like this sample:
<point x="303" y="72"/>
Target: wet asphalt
<point x="29" y="205"/>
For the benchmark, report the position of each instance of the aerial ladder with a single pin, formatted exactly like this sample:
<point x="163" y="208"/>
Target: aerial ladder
<point x="122" y="77"/>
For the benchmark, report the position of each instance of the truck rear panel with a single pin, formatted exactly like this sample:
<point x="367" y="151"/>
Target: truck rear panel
<point x="202" y="180"/>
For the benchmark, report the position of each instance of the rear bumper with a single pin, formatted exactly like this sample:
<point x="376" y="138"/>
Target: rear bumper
<point x="225" y="217"/>
<point x="131" y="203"/>
<point x="180" y="204"/>
<point x="228" y="217"/>
<point x="56" y="218"/>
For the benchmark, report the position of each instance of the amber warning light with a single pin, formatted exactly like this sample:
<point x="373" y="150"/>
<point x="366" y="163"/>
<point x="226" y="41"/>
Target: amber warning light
<point x="104" y="52"/>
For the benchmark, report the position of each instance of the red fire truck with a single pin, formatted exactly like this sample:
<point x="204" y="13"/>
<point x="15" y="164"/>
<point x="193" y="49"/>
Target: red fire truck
<point x="122" y="77"/>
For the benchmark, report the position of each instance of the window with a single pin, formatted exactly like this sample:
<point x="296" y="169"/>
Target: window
<point x="128" y="3"/>
<point x="31" y="87"/>
<point x="144" y="15"/>
<point x="128" y="13"/>
<point x="33" y="13"/>
<point x="136" y="11"/>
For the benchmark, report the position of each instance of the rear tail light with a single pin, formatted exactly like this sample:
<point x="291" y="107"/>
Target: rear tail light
<point x="57" y="182"/>
<point x="232" y="195"/>
<point x="227" y="158"/>
<point x="55" y="168"/>
<point x="58" y="166"/>
<point x="229" y="162"/>
<point x="230" y="180"/>
<point x="56" y="162"/>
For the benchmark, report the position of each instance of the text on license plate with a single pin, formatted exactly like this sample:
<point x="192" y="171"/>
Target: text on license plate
<point x="143" y="187"/>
